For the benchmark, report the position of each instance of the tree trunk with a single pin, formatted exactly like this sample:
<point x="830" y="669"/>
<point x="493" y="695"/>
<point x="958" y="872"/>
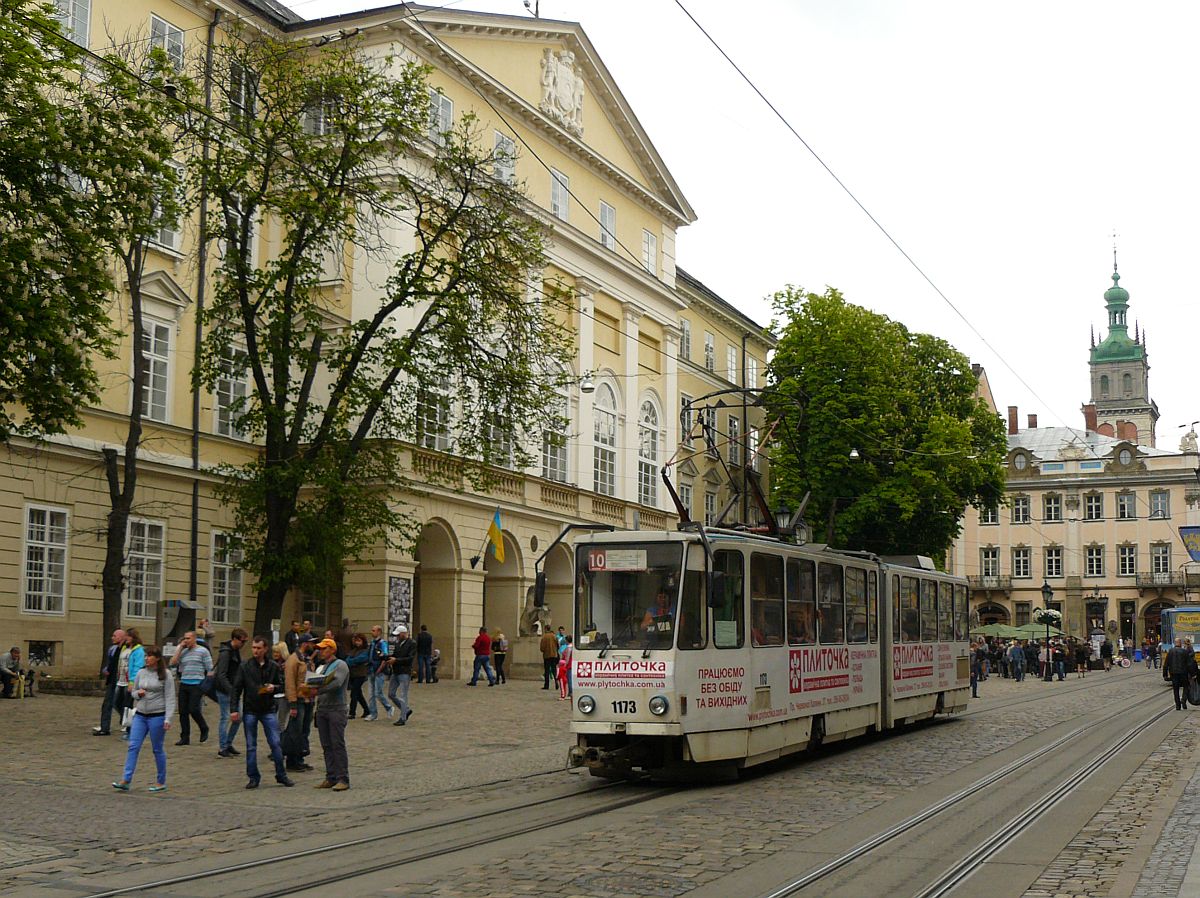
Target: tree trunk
<point x="113" y="577"/>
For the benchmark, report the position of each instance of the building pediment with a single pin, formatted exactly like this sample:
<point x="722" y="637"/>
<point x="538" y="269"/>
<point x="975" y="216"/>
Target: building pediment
<point x="162" y="296"/>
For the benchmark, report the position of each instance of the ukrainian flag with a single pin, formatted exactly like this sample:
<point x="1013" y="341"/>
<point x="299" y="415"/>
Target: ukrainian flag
<point x="496" y="537"/>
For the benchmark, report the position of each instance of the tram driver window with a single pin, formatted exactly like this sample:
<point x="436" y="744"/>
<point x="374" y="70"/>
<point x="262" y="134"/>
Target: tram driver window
<point x="928" y="611"/>
<point x="801" y="602"/>
<point x="910" y="614"/>
<point x="766" y="599"/>
<point x="831" y="610"/>
<point x="856" y="605"/>
<point x="728" y="616"/>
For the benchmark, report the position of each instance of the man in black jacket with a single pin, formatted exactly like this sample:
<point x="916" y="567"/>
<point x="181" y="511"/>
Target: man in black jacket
<point x="1180" y="664"/>
<point x="229" y="659"/>
<point x="256" y="684"/>
<point x="424" y="655"/>
<point x="404" y="656"/>
<point x="108" y="670"/>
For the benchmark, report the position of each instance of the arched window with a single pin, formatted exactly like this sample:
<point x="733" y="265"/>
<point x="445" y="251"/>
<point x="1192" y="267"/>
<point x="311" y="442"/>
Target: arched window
<point x="648" y="454"/>
<point x="1103" y="384"/>
<point x="604" y="451"/>
<point x="1127" y="384"/>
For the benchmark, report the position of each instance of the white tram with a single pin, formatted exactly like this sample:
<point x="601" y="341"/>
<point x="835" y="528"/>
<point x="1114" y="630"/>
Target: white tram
<point x="726" y="649"/>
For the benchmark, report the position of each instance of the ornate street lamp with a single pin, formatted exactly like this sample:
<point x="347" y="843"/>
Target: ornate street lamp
<point x="1048" y="616"/>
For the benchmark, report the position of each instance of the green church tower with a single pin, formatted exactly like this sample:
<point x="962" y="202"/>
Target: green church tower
<point x="1121" y="374"/>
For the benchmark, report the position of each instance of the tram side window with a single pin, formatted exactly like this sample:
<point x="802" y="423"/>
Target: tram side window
<point x="962" y="613"/>
<point x="801" y="602"/>
<point x="693" y="615"/>
<point x="856" y="605"/>
<point x="873" y="606"/>
<point x="766" y="599"/>
<point x="928" y="611"/>
<point x="831" y="610"/>
<point x="945" y="612"/>
<point x="910" y="614"/>
<point x="728" y="618"/>
<point x="896" y="603"/>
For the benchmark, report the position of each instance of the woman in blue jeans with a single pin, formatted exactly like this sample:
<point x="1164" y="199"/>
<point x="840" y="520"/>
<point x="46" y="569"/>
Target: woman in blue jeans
<point x="153" y="694"/>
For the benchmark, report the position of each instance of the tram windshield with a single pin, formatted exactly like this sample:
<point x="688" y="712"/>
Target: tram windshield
<point x="626" y="595"/>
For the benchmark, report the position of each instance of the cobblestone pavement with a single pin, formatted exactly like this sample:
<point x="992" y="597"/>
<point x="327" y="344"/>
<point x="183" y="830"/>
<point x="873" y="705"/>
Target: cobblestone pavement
<point x="462" y="744"/>
<point x="1167" y="869"/>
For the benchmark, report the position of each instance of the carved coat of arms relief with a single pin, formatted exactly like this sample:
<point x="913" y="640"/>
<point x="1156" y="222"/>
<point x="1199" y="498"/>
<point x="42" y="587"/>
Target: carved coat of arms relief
<point x="562" y="90"/>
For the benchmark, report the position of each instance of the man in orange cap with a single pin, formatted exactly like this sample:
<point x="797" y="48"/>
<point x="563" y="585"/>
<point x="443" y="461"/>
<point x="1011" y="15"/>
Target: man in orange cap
<point x="332" y="710"/>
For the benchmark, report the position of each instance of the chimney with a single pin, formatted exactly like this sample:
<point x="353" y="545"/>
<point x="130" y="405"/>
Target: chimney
<point x="1033" y="422"/>
<point x="1012" y="419"/>
<point x="1089" y="417"/>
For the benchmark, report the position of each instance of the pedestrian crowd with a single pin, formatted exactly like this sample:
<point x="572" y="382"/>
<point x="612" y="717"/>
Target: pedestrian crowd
<point x="1015" y="658"/>
<point x="285" y="689"/>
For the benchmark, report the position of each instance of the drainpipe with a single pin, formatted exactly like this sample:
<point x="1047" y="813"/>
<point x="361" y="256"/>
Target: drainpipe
<point x="201" y="283"/>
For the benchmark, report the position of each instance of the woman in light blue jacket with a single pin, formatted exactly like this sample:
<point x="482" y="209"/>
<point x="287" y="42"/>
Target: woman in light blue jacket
<point x="153" y="694"/>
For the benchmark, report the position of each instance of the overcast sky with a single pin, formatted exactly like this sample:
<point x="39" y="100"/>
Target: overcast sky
<point x="999" y="144"/>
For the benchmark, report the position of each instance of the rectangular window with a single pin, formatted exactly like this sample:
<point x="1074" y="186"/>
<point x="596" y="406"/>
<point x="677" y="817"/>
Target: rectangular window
<point x="1160" y="558"/>
<point x="766" y="599"/>
<point x="167" y="229"/>
<point x="945" y="612"/>
<point x="232" y="388"/>
<point x="685" y="496"/>
<point x="1126" y="561"/>
<point x="433" y="416"/>
<point x="608" y="226"/>
<point x="1021" y="566"/>
<point x="1023" y="614"/>
<point x="1095" y="561"/>
<point x="75" y="18"/>
<point x="989" y="562"/>
<point x="156" y="346"/>
<point x="752" y="448"/>
<point x="1126" y="506"/>
<point x="710" y="434"/>
<point x="710" y="508"/>
<point x="989" y="514"/>
<point x="735" y="446"/>
<point x="751" y="372"/>
<point x="1160" y="504"/>
<point x="1093" y="507"/>
<point x="801" y="602"/>
<point x="685" y="339"/>
<point x="1051" y="508"/>
<point x="441" y="115"/>
<point x="873" y="606"/>
<point x="928" y="611"/>
<point x="45" y="576"/>
<point x="650" y="252"/>
<point x="243" y="88"/>
<point x="962" y="612"/>
<point x="831" y="604"/>
<point x="554" y="447"/>
<point x="504" y="149"/>
<point x="1053" y="561"/>
<point x="560" y="195"/>
<point x="909" y="608"/>
<point x="318" y="117"/>
<point x="144" y="571"/>
<point x="647" y="483"/>
<point x="687" y="419"/>
<point x="1020" y="510"/>
<point x="856" y="605"/>
<point x="731" y="364"/>
<point x="168" y="38"/>
<point x="604" y="452"/>
<point x="710" y="352"/>
<point x="728" y="622"/>
<point x="225" y="600"/>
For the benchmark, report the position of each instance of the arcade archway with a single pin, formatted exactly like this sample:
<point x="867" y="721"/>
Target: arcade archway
<point x="991" y="613"/>
<point x="435" y="594"/>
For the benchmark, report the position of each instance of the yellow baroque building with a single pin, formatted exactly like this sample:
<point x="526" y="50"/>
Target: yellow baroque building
<point x="652" y="345"/>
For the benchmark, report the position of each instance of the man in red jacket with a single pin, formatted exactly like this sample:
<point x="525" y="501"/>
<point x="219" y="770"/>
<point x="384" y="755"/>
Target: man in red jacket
<point x="483" y="653"/>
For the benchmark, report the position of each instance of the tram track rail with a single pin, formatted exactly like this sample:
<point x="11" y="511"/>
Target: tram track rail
<point x="1067" y="690"/>
<point x="966" y="866"/>
<point x="402" y="858"/>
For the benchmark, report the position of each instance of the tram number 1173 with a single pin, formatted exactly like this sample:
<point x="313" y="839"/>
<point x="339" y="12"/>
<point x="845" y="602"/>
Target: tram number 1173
<point x="624" y="707"/>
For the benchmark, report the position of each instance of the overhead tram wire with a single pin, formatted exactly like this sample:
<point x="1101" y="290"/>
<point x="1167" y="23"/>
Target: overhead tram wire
<point x="895" y="243"/>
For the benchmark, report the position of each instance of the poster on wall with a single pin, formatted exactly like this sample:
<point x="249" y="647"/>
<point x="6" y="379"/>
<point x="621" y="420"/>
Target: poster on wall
<point x="399" y="603"/>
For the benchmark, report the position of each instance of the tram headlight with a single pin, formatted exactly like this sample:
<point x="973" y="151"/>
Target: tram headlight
<point x="586" y="704"/>
<point x="659" y="705"/>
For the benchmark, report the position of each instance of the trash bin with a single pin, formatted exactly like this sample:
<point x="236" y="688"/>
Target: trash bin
<point x="1137" y="654"/>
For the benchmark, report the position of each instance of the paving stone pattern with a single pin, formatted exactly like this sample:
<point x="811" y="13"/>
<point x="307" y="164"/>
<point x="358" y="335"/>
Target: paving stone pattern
<point x="1164" y="872"/>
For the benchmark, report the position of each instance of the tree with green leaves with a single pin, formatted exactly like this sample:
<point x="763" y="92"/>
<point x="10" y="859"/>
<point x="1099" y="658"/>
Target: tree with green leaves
<point x="55" y="274"/>
<point x="881" y="426"/>
<point x="443" y="340"/>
